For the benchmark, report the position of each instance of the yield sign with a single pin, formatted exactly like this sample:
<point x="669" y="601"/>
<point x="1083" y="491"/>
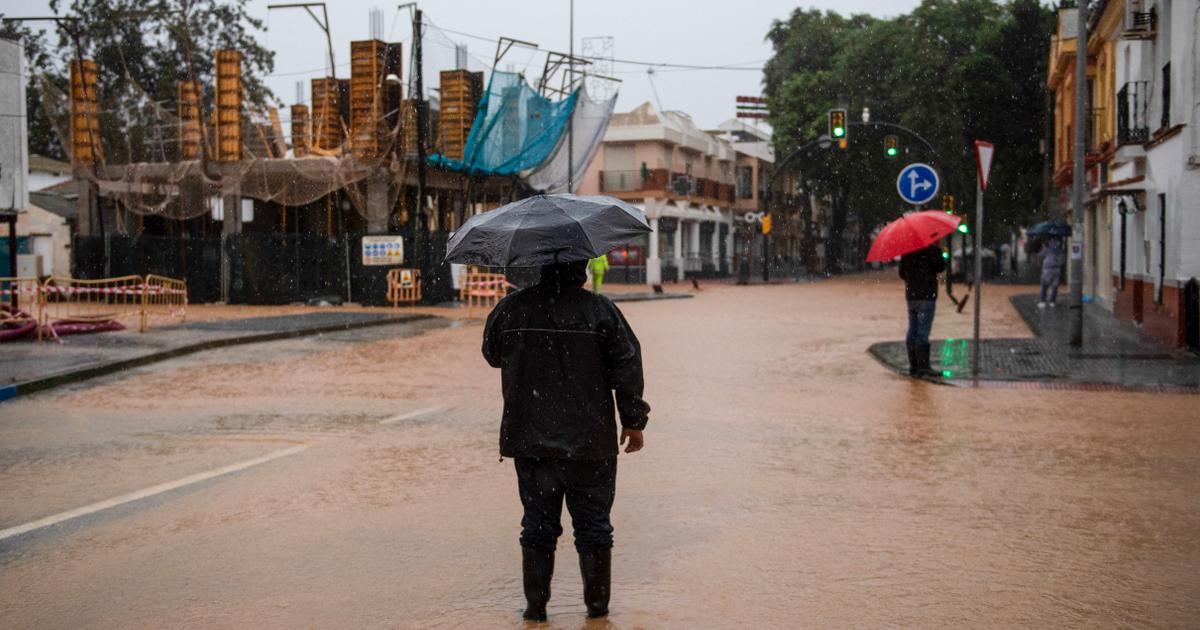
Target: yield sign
<point x="983" y="159"/>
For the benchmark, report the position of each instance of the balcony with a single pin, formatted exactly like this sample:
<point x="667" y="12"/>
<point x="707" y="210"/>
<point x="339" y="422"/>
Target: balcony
<point x="665" y="183"/>
<point x="1133" y="102"/>
<point x="1139" y="25"/>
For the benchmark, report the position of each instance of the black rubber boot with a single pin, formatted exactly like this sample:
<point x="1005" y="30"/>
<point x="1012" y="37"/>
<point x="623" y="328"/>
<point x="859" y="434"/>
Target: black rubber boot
<point x="596" y="568"/>
<point x="537" y="567"/>
<point x="912" y="359"/>
<point x="924" y="369"/>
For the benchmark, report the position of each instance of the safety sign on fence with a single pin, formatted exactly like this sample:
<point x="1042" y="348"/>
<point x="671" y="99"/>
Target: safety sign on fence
<point x="382" y="250"/>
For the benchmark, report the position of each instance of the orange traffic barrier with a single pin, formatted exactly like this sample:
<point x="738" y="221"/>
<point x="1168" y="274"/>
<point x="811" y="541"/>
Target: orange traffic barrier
<point x="20" y="304"/>
<point x="403" y="286"/>
<point x="75" y="301"/>
<point x="163" y="297"/>
<point x="482" y="290"/>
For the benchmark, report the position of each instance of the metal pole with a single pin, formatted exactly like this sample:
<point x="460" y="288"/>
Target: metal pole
<point x="417" y="221"/>
<point x="571" y="120"/>
<point x="1081" y="38"/>
<point x="976" y="350"/>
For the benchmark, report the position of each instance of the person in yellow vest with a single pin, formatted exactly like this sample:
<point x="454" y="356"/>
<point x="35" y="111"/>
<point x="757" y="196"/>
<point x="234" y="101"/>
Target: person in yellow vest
<point x="598" y="266"/>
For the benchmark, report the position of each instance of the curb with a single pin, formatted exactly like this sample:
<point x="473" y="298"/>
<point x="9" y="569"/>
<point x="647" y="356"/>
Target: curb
<point x="24" y="388"/>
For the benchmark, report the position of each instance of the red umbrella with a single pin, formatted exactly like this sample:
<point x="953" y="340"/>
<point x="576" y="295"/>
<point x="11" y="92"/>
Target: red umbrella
<point x="911" y="232"/>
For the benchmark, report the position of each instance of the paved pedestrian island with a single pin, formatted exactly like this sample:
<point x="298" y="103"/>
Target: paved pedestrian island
<point x="1113" y="355"/>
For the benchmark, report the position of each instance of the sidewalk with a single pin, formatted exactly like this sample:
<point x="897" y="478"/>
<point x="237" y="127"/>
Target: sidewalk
<point x="29" y="366"/>
<point x="1113" y="355"/>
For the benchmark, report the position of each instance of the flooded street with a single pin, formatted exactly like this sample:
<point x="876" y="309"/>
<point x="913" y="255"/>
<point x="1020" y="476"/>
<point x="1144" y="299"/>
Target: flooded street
<point x="788" y="480"/>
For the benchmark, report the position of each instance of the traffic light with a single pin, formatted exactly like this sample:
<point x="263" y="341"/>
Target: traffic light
<point x="962" y="227"/>
<point x="766" y="224"/>
<point x="837" y="127"/>
<point x="948" y="203"/>
<point x="891" y="146"/>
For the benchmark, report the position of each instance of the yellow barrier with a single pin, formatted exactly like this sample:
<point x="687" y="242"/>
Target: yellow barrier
<point x="163" y="297"/>
<point x="75" y="301"/>
<point x="403" y="286"/>
<point x="482" y="290"/>
<point x="20" y="301"/>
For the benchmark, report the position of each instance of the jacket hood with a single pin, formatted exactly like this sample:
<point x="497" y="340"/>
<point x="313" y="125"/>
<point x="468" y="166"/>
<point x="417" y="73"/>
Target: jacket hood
<point x="568" y="275"/>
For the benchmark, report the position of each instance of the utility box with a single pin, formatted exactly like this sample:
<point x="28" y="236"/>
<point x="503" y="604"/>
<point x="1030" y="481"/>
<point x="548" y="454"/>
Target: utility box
<point x="30" y="266"/>
<point x="14" y="140"/>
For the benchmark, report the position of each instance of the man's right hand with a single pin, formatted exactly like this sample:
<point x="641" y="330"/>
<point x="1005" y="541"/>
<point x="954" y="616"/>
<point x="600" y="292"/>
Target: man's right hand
<point x="636" y="441"/>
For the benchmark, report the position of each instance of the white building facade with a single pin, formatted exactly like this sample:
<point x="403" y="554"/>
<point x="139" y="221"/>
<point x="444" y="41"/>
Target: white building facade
<point x="1153" y="176"/>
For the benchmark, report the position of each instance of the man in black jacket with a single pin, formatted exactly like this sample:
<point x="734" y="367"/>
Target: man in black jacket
<point x="920" y="271"/>
<point x="563" y="352"/>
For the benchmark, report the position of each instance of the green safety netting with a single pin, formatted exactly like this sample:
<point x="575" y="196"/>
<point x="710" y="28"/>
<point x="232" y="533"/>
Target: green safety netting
<point x="515" y="128"/>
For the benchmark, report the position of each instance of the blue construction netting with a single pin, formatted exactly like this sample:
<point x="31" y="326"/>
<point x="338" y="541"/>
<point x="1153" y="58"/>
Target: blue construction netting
<point x="515" y="128"/>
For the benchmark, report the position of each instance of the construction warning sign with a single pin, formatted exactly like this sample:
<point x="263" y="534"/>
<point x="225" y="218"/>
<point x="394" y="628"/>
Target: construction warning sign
<point x="383" y="250"/>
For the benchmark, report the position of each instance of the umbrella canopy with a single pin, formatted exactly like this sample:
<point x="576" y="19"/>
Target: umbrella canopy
<point x="911" y="232"/>
<point x="546" y="229"/>
<point x="1053" y="227"/>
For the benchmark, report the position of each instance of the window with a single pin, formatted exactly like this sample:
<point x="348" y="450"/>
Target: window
<point x="1166" y="96"/>
<point x="745" y="182"/>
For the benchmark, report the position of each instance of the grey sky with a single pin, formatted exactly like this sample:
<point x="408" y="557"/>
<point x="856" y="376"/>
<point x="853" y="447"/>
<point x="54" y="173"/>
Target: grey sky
<point x="702" y="32"/>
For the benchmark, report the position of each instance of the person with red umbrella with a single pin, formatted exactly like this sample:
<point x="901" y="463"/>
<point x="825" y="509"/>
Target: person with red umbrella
<point x="914" y="238"/>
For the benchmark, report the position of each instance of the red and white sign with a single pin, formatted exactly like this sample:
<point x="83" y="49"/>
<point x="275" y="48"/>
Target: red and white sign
<point x="983" y="159"/>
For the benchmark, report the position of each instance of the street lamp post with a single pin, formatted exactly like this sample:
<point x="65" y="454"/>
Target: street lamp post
<point x="1077" y="190"/>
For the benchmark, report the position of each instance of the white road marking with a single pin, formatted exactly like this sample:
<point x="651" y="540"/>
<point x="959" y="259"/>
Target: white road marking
<point x="412" y="414"/>
<point x="147" y="492"/>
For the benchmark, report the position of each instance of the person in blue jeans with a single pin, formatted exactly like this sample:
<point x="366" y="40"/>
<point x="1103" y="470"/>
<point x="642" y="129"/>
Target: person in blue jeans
<point x="1052" y="264"/>
<point x="920" y="271"/>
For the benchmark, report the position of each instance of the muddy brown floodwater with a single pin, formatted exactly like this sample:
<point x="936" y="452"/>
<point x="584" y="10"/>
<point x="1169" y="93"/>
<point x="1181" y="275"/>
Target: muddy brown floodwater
<point x="788" y="481"/>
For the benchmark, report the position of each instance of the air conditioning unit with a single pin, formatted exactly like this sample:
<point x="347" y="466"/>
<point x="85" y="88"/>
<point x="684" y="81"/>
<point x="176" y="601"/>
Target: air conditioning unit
<point x="1139" y="23"/>
<point x="683" y="185"/>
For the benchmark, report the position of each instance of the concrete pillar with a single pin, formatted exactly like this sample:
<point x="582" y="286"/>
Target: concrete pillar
<point x="694" y="237"/>
<point x="231" y="224"/>
<point x="653" y="262"/>
<point x="678" y="240"/>
<point x="377" y="203"/>
<point x="729" y="248"/>
<point x="85" y="208"/>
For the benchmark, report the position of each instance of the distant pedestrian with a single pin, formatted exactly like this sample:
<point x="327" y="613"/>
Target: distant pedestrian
<point x="563" y="353"/>
<point x="920" y="271"/>
<point x="1052" y="263"/>
<point x="598" y="266"/>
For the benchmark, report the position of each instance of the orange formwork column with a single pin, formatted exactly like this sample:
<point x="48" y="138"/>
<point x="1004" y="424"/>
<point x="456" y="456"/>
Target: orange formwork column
<point x="367" y="61"/>
<point x="460" y="91"/>
<point x="189" y="120"/>
<point x="300" y="130"/>
<point x="229" y="105"/>
<point x="85" y="113"/>
<point x="326" y="114"/>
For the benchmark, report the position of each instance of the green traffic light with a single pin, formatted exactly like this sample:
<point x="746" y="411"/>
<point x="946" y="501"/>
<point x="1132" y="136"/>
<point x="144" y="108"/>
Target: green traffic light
<point x="838" y="132"/>
<point x="962" y="227"/>
<point x="892" y="151"/>
<point x="946" y="255"/>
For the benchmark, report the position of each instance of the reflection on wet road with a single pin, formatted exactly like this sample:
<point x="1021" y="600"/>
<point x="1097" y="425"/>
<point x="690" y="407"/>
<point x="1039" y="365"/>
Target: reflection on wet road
<point x="788" y="481"/>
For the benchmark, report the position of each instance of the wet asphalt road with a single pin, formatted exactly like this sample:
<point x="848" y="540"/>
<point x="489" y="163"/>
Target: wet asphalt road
<point x="351" y="480"/>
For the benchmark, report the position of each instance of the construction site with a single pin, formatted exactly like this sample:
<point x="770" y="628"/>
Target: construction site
<point x="325" y="199"/>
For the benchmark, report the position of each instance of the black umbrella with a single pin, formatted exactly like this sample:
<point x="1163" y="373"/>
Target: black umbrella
<point x="546" y="229"/>
<point x="1053" y="227"/>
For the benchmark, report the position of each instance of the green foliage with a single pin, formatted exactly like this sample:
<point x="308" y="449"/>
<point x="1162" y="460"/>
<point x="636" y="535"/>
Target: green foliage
<point x="954" y="71"/>
<point x="150" y="44"/>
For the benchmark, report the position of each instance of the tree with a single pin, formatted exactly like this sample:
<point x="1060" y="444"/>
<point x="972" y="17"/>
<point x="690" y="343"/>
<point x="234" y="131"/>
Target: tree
<point x="142" y="48"/>
<point x="952" y="70"/>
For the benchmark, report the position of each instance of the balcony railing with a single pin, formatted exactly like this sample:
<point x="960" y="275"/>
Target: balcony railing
<point x="1133" y="102"/>
<point x="620" y="181"/>
<point x="661" y="179"/>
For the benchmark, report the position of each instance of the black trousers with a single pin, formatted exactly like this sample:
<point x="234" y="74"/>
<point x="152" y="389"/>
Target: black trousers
<point x="589" y="488"/>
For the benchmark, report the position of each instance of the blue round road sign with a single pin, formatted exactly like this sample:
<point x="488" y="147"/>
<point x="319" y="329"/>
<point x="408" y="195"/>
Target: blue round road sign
<point x="917" y="183"/>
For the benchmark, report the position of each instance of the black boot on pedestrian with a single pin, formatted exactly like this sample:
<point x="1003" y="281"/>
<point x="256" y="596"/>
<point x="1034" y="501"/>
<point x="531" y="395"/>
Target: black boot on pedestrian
<point x="924" y="368"/>
<point x="912" y="358"/>
<point x="596" y="568"/>
<point x="537" y="567"/>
